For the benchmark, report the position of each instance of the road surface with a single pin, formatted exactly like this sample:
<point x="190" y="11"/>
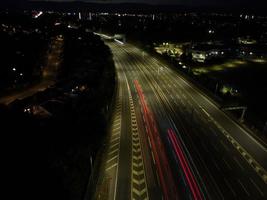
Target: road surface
<point x="208" y="155"/>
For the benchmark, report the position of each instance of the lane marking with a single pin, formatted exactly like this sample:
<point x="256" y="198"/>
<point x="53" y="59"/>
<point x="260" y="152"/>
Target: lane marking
<point x="113" y="158"/>
<point x="138" y="177"/>
<point x="113" y="145"/>
<point x="248" y="158"/>
<point x="229" y="186"/>
<point x="227" y="164"/>
<point x="257" y="187"/>
<point x="111" y="152"/>
<point x="214" y="106"/>
<point x="238" y="163"/>
<point x="243" y="187"/>
<point x="114" y="139"/>
<point x="112" y="166"/>
<point x="224" y="146"/>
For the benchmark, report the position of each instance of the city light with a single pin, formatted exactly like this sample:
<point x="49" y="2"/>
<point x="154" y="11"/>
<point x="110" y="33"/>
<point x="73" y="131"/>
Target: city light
<point x="159" y="101"/>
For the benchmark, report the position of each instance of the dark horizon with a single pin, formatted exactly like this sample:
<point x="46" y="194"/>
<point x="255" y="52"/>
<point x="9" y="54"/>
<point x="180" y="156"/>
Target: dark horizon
<point x="133" y="101"/>
<point x="131" y="6"/>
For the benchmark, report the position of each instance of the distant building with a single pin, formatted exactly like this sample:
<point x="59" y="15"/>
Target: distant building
<point x="246" y="40"/>
<point x="252" y="51"/>
<point x="205" y="52"/>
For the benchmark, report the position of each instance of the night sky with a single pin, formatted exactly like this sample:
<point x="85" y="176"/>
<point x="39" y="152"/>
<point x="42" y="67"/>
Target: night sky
<point x="178" y="2"/>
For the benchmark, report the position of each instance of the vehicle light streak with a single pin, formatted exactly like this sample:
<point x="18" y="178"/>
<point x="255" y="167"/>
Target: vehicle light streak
<point x="158" y="150"/>
<point x="188" y="174"/>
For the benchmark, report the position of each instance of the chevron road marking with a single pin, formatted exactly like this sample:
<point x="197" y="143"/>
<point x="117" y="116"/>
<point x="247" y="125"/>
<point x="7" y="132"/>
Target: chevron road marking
<point x="138" y="181"/>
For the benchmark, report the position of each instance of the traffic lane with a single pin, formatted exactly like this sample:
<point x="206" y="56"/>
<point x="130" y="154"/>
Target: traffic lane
<point x="248" y="141"/>
<point x="164" y="119"/>
<point x="159" y="109"/>
<point x="154" y="193"/>
<point x="263" y="155"/>
<point x="107" y="182"/>
<point x="257" y="151"/>
<point x="162" y="131"/>
<point x="239" y="145"/>
<point x="168" y="91"/>
<point x="159" y="196"/>
<point x="123" y="189"/>
<point x="151" y="176"/>
<point x="153" y="188"/>
<point x="124" y="168"/>
<point x="215" y="168"/>
<point x="170" y="177"/>
<point x="159" y="106"/>
<point x="207" y="146"/>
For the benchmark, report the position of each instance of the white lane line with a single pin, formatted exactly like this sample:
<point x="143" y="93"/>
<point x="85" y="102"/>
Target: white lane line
<point x="115" y="134"/>
<point x="215" y="147"/>
<point x="111" y="152"/>
<point x="224" y="146"/>
<point x="113" y="145"/>
<point x="238" y="163"/>
<point x="149" y="142"/>
<point x="216" y="165"/>
<point x="117" y="120"/>
<point x="114" y="139"/>
<point x="113" y="158"/>
<point x="229" y="186"/>
<point x="213" y="131"/>
<point x="205" y="147"/>
<point x="227" y="164"/>
<point x="257" y="187"/>
<point x="216" y="108"/>
<point x="205" y="112"/>
<point x="198" y="113"/>
<point x="183" y="102"/>
<point x="238" y="180"/>
<point x="117" y="128"/>
<point x="248" y="158"/>
<point x="114" y="165"/>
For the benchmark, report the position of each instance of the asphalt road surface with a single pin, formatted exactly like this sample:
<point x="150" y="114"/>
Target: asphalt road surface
<point x="180" y="133"/>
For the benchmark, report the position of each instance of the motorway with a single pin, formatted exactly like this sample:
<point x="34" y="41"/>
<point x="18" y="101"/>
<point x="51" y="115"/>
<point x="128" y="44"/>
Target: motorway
<point x="168" y="140"/>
